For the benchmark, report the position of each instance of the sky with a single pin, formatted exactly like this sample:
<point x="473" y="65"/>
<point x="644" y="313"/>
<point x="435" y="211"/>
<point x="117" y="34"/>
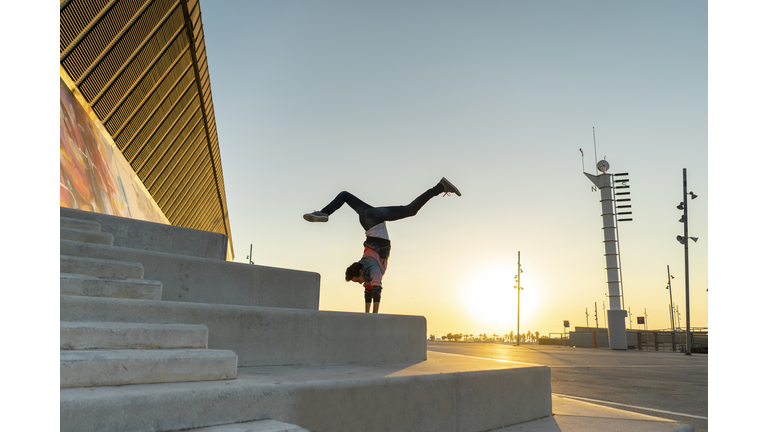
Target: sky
<point x="383" y="99"/>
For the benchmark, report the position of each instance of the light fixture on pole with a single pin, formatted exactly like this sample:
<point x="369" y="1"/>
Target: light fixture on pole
<point x="518" y="288"/>
<point x="684" y="241"/>
<point x="671" y="307"/>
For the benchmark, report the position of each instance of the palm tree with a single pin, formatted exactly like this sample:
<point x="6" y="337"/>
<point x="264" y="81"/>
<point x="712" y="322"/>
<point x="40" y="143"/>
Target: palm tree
<point x="537" y="336"/>
<point x="529" y="335"/>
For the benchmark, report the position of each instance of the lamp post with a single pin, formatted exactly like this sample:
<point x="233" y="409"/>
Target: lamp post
<point x="671" y="308"/>
<point x="684" y="240"/>
<point x="250" y="255"/>
<point x="518" y="288"/>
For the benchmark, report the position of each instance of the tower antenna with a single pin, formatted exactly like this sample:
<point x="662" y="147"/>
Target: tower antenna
<point x="594" y="141"/>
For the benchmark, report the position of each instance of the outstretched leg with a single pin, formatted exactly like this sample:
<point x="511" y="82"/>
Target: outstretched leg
<point x="343" y="197"/>
<point x="377" y="215"/>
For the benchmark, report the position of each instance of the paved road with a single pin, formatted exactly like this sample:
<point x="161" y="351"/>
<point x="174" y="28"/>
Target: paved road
<point x="662" y="384"/>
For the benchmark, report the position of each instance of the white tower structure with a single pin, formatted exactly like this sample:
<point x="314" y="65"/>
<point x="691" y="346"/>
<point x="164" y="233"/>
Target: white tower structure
<point x="617" y="330"/>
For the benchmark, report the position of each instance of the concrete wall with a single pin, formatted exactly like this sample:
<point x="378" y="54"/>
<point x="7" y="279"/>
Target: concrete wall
<point x="584" y="339"/>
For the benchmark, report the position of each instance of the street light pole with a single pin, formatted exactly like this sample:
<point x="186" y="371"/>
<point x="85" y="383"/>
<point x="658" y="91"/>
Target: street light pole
<point x="671" y="308"/>
<point x="518" y="288"/>
<point x="685" y="235"/>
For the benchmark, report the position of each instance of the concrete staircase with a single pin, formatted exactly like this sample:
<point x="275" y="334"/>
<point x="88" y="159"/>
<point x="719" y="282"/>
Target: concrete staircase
<point x="160" y="333"/>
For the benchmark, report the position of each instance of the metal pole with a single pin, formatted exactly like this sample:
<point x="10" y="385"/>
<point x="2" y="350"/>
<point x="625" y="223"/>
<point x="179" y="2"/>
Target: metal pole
<point x="604" y="318"/>
<point x="596" y="323"/>
<point x="685" y="234"/>
<point x="671" y="308"/>
<point x="645" y="322"/>
<point x="630" y="318"/>
<point x="518" y="298"/>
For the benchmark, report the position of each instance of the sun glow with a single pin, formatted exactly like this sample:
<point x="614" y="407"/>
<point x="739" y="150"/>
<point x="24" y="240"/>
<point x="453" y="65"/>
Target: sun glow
<point x="491" y="299"/>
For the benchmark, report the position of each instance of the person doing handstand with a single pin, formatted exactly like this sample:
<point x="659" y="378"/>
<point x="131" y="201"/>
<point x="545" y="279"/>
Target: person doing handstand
<point x="370" y="269"/>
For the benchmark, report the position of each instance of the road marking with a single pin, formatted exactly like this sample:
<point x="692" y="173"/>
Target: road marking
<point x="626" y="366"/>
<point x="631" y="406"/>
<point x="485" y="358"/>
<point x="569" y="366"/>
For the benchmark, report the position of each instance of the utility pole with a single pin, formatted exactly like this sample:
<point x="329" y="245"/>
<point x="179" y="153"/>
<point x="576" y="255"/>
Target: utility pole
<point x="630" y="317"/>
<point x="519" y="288"/>
<point x="587" y="315"/>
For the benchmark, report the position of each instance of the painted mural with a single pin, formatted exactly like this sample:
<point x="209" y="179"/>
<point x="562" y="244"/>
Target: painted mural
<point x="93" y="172"/>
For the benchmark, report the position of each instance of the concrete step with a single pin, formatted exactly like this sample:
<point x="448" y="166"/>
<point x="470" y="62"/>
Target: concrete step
<point x="255" y="426"/>
<point x="120" y="336"/>
<point x="65" y="222"/>
<point x="94" y="286"/>
<point x="86" y="236"/>
<point x="445" y="393"/>
<point x="121" y="367"/>
<point x="200" y="280"/>
<point x="100" y="267"/>
<point x="271" y="336"/>
<point x="138" y="234"/>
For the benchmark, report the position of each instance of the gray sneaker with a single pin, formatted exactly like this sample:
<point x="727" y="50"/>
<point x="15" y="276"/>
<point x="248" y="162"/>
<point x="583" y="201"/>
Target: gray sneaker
<point x="449" y="187"/>
<point x="316" y="216"/>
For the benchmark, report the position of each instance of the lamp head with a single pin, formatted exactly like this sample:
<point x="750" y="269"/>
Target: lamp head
<point x="694" y="239"/>
<point x="693" y="195"/>
<point x="681" y="206"/>
<point x="680" y="239"/>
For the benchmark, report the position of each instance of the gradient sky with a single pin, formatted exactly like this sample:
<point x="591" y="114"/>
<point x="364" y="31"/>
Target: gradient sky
<point x="384" y="98"/>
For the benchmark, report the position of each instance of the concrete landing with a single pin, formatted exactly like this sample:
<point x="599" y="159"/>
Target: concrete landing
<point x="444" y="393"/>
<point x="580" y="416"/>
